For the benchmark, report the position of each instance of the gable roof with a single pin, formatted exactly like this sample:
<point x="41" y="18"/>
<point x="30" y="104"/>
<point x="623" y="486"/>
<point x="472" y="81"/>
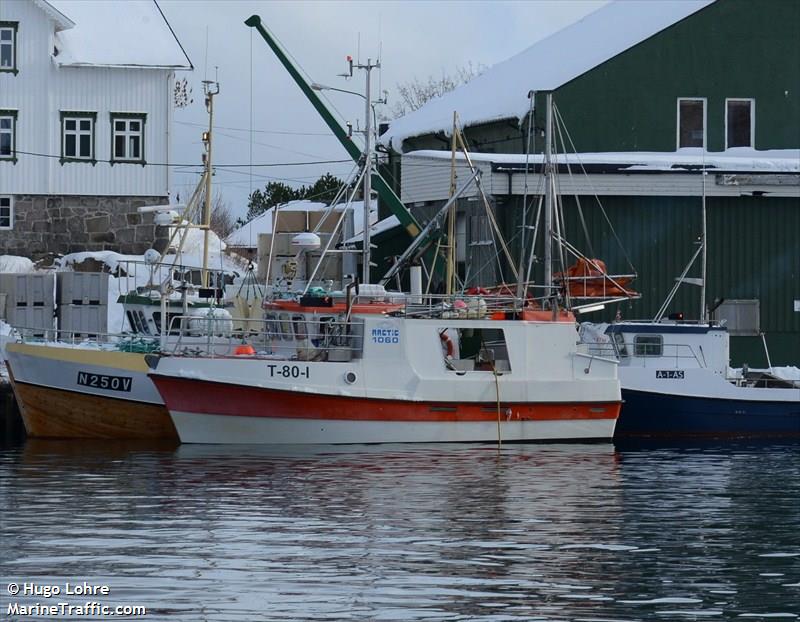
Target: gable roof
<point x="501" y="92"/>
<point x="107" y="33"/>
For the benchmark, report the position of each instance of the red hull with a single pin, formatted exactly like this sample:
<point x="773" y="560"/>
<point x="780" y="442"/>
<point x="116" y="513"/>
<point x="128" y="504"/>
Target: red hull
<point x="214" y="398"/>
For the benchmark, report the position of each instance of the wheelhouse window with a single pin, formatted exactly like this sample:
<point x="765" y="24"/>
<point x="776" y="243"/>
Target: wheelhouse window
<point x="739" y="123"/>
<point x="474" y="349"/>
<point x="691" y="123"/>
<point x="8" y="46"/>
<point x="8" y="130"/>
<point x="127" y="137"/>
<point x="648" y="345"/>
<point x="6" y="212"/>
<point x="77" y="136"/>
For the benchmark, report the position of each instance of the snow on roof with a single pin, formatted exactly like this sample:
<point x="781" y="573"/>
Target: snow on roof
<point x="379" y="227"/>
<point x="743" y="159"/>
<point x="501" y="92"/>
<point x="246" y="236"/>
<point x="106" y="33"/>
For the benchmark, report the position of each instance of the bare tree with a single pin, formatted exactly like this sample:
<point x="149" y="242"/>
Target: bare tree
<point x="414" y="93"/>
<point x="222" y="220"/>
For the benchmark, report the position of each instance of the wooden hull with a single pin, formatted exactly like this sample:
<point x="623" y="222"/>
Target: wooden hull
<point x="55" y="413"/>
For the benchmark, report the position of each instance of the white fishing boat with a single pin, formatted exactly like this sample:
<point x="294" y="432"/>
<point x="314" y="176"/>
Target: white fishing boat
<point x="382" y="372"/>
<point x="377" y="367"/>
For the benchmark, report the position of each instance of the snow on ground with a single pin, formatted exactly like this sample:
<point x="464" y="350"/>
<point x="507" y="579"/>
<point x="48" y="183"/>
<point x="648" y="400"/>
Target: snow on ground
<point x="13" y="263"/>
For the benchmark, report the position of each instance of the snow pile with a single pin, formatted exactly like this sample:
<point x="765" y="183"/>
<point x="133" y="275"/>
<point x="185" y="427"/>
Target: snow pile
<point x="133" y="33"/>
<point x="737" y="159"/>
<point x="501" y="92"/>
<point x="13" y="263"/>
<point x="784" y="373"/>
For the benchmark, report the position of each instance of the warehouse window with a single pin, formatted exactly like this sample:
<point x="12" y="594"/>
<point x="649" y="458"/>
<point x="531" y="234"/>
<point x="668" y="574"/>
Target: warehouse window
<point x="740" y="122"/>
<point x="6" y="212"/>
<point x="77" y="136"/>
<point x="8" y="130"/>
<point x="691" y="123"/>
<point x="127" y="137"/>
<point x="8" y="47"/>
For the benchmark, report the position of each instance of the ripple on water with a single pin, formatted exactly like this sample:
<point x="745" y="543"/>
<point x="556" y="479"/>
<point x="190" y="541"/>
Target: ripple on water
<point x="555" y="532"/>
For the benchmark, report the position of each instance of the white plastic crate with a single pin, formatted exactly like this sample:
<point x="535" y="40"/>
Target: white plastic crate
<point x="32" y="321"/>
<point x="82" y="320"/>
<point x="34" y="289"/>
<point x="82" y="288"/>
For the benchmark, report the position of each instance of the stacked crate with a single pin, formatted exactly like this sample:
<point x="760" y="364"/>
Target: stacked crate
<point x="82" y="304"/>
<point x="29" y="302"/>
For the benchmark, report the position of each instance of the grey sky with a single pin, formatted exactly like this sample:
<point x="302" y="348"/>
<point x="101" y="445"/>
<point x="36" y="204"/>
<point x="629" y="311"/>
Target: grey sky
<point x="415" y="39"/>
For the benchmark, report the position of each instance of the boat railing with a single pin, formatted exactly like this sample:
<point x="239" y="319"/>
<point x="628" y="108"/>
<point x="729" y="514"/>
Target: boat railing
<point x="138" y="276"/>
<point x="460" y="307"/>
<point x="648" y="354"/>
<point x="283" y="336"/>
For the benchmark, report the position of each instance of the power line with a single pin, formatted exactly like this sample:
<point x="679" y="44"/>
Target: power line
<point x="241" y="129"/>
<point x="47" y="155"/>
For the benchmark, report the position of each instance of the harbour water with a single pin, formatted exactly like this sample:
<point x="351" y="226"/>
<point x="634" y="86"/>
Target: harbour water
<point x="430" y="532"/>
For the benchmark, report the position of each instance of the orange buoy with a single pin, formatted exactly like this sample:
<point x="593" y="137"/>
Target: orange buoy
<point x="244" y="350"/>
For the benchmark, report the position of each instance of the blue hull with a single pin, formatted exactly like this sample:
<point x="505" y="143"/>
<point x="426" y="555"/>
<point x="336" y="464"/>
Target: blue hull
<point x="654" y="415"/>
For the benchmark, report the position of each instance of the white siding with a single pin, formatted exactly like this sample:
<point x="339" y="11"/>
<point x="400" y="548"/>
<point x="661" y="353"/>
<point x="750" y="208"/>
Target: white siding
<point x="41" y="90"/>
<point x="428" y="179"/>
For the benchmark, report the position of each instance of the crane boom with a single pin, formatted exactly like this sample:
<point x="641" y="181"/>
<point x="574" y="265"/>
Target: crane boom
<point x="385" y="191"/>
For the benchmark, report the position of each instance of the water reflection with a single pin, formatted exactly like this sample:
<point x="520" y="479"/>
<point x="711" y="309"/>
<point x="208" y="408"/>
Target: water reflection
<point x="447" y="532"/>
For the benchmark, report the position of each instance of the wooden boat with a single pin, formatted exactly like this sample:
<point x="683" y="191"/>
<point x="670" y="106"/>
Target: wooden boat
<point x="69" y="392"/>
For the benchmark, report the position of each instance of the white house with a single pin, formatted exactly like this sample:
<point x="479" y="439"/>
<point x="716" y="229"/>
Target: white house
<point x="86" y="101"/>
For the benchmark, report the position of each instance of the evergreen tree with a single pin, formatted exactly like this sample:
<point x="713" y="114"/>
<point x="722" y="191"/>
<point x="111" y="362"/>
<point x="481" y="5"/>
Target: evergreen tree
<point x="323" y="190"/>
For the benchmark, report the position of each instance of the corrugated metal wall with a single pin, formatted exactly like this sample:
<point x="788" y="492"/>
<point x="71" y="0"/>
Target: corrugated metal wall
<point x="41" y="89"/>
<point x="753" y="253"/>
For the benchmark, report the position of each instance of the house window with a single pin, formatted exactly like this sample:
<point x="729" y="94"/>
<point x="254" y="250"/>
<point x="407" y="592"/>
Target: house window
<point x="127" y="137"/>
<point x="77" y="136"/>
<point x="739" y="122"/>
<point x="8" y="127"/>
<point x="691" y="123"/>
<point x="6" y="213"/>
<point x="648" y="345"/>
<point x="8" y="46"/>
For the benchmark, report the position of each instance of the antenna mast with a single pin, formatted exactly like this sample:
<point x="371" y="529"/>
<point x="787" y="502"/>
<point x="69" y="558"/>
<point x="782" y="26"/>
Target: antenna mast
<point x="210" y="88"/>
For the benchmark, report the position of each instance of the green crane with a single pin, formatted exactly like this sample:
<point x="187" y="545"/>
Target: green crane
<point x="384" y="190"/>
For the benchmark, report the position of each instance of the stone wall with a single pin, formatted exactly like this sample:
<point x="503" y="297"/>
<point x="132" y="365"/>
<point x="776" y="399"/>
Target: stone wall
<point x="47" y="225"/>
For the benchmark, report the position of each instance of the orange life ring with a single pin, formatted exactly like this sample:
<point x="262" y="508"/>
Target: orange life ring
<point x="244" y="350"/>
<point x="448" y="344"/>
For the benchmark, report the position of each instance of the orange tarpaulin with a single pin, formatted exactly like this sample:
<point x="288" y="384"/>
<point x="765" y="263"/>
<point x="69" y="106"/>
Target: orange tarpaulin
<point x="588" y="278"/>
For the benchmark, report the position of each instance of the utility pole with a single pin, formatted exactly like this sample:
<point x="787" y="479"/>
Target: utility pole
<point x="210" y="88"/>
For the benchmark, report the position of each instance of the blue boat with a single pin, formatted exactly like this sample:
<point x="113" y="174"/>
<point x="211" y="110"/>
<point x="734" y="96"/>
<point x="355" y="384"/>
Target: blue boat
<point x="677" y="383"/>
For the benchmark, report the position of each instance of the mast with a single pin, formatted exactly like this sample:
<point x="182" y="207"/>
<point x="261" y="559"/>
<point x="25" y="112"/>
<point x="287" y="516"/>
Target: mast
<point x="548" y="196"/>
<point x="451" y="222"/>
<point x="703" y="262"/>
<point x="368" y="155"/>
<point x="211" y="88"/>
